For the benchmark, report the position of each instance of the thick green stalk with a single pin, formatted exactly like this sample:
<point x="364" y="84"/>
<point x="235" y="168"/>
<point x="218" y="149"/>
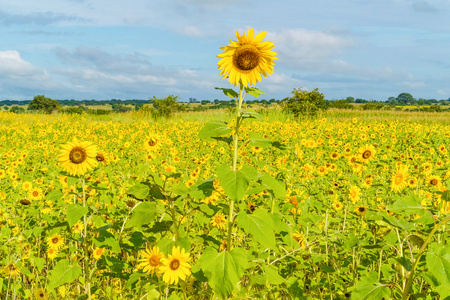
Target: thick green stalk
<point x="416" y="261"/>
<point x="235" y="157"/>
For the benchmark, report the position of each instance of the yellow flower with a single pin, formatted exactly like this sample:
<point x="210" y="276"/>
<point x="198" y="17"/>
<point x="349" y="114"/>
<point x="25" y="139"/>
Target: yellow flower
<point x="247" y="58"/>
<point x="299" y="238"/>
<point x="40" y="294"/>
<point x="398" y="180"/>
<point x="361" y="210"/>
<point x="98" y="252"/>
<point x="337" y="206"/>
<point x="175" y="266"/>
<point x="55" y="241"/>
<point x="150" y="261"/>
<point x="52" y="253"/>
<point x="77" y="158"/>
<point x="354" y="193"/>
<point x="152" y="143"/>
<point x="219" y="220"/>
<point x="11" y="270"/>
<point x="366" y="153"/>
<point x="26" y="185"/>
<point x="35" y="194"/>
<point x="434" y="181"/>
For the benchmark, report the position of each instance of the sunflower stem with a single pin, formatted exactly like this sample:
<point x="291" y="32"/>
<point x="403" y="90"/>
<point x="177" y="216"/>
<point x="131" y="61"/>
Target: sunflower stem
<point x="422" y="250"/>
<point x="235" y="157"/>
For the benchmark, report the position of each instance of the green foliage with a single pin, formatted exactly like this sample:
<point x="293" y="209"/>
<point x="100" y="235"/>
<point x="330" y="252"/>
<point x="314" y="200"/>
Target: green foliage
<point x="372" y="105"/>
<point x="165" y="107"/>
<point x="44" y="104"/>
<point x="223" y="269"/>
<point x="63" y="273"/>
<point x="341" y="104"/>
<point x="305" y="103"/>
<point x="17" y="109"/>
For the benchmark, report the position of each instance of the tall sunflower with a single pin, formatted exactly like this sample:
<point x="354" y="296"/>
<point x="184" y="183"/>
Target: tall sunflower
<point x="78" y="157"/>
<point x="175" y="266"/>
<point x="366" y="153"/>
<point x="247" y="58"/>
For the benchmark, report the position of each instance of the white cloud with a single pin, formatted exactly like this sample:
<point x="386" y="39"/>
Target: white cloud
<point x="306" y="48"/>
<point x="12" y="64"/>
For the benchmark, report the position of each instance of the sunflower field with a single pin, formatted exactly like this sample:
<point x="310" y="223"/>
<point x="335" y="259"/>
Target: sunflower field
<point x="248" y="208"/>
<point x="322" y="210"/>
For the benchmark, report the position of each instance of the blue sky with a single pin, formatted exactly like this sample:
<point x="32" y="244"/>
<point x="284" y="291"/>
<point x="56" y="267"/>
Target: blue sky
<point x="135" y="49"/>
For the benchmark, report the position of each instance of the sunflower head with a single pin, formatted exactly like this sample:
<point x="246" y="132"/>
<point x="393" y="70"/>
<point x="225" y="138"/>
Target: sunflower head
<point x="247" y="58"/>
<point x="78" y="157"/>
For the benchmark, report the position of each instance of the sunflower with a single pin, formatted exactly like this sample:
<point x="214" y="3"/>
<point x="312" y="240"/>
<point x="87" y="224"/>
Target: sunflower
<point x="26" y="185"/>
<point x="77" y="158"/>
<point x="55" y="241"/>
<point x="175" y="266"/>
<point x="11" y="270"/>
<point x="52" y="253"/>
<point x="361" y="210"/>
<point x="40" y="294"/>
<point x="398" y="180"/>
<point x="337" y="206"/>
<point x="434" y="181"/>
<point x="101" y="158"/>
<point x="150" y="261"/>
<point x="366" y="153"/>
<point x="98" y="252"/>
<point x="219" y="220"/>
<point x="35" y="194"/>
<point x="298" y="237"/>
<point x="152" y="143"/>
<point x="247" y="58"/>
<point x="354" y="193"/>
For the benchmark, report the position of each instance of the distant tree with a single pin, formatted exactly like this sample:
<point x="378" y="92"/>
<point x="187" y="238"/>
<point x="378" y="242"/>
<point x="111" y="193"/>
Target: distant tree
<point x="305" y="103"/>
<point x="17" y="109"/>
<point x="44" y="104"/>
<point x="341" y="104"/>
<point x="350" y="99"/>
<point x="5" y="107"/>
<point x="405" y="98"/>
<point x="373" y="105"/>
<point x="165" y="107"/>
<point x="204" y="102"/>
<point x="359" y="100"/>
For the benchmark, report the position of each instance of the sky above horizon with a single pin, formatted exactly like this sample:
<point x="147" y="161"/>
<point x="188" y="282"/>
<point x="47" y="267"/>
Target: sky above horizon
<point x="86" y="49"/>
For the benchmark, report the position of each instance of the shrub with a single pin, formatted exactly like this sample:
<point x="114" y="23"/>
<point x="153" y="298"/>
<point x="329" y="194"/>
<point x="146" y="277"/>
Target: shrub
<point x="304" y="103"/>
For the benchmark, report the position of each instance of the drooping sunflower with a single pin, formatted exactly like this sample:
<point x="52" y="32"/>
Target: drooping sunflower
<point x="247" y="58"/>
<point x="55" y="241"/>
<point x="175" y="266"/>
<point x="77" y="158"/>
<point x="11" y="270"/>
<point x="150" y="261"/>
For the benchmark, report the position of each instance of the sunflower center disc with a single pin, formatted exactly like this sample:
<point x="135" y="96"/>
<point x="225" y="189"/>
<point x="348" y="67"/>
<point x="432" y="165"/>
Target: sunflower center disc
<point x="77" y="155"/>
<point x="152" y="142"/>
<point x="174" y="264"/>
<point x="246" y="57"/>
<point x="100" y="157"/>
<point x="55" y="240"/>
<point x="366" y="154"/>
<point x="433" y="182"/>
<point x="154" y="262"/>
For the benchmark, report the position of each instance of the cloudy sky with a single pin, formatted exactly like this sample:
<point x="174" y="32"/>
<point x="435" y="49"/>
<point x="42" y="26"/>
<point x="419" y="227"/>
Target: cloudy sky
<point x="136" y="49"/>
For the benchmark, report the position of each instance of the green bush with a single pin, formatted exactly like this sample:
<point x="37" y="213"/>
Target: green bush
<point x="305" y="103"/>
<point x="165" y="107"/>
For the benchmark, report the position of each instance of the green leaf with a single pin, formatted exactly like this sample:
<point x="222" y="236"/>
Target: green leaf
<point x="260" y="225"/>
<point x="143" y="213"/>
<point x="74" y="213"/>
<point x="229" y="92"/>
<point x="54" y="195"/>
<point x="276" y="186"/>
<point x="439" y="265"/>
<point x="272" y="274"/>
<point x="368" y="288"/>
<point x="251" y="114"/>
<point x="236" y="183"/>
<point x="63" y="273"/>
<point x="444" y="195"/>
<point x="255" y="92"/>
<point x="294" y="288"/>
<point x="444" y="292"/>
<point x="223" y="269"/>
<point x="410" y="205"/>
<point x="214" y="129"/>
<point x="139" y="191"/>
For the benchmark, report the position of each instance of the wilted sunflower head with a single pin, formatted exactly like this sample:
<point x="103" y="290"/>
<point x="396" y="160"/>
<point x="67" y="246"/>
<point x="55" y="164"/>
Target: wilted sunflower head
<point x="247" y="58"/>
